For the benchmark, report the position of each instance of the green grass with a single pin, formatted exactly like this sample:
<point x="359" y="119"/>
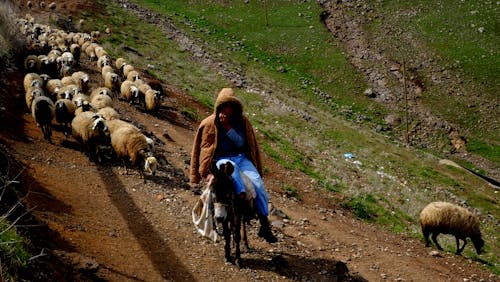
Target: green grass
<point x="291" y="191"/>
<point x="462" y="37"/>
<point x="484" y="149"/>
<point x="294" y="35"/>
<point x="13" y="253"/>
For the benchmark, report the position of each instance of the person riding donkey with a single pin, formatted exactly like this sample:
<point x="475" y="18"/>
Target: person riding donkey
<point x="227" y="136"/>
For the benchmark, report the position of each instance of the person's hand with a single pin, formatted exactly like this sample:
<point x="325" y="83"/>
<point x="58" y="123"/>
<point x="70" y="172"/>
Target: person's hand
<point x="208" y="178"/>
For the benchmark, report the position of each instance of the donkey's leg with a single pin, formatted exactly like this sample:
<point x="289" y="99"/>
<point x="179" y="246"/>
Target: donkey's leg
<point x="245" y="236"/>
<point x="227" y="239"/>
<point x="237" y="240"/>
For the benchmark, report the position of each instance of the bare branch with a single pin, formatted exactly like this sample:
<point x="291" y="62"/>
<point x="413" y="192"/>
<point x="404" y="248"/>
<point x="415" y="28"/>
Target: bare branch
<point x="41" y="254"/>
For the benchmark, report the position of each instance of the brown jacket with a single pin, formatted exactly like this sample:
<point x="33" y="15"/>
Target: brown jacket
<point x="205" y="140"/>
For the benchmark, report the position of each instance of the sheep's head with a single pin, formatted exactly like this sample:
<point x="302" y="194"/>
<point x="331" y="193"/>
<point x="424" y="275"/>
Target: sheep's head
<point x="151" y="165"/>
<point x="134" y="91"/>
<point x="478" y="243"/>
<point x="99" y="124"/>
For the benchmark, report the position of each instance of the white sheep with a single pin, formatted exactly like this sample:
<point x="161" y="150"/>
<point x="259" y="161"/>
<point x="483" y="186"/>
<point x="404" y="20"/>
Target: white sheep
<point x="68" y="80"/>
<point x="65" y="64"/>
<point x="32" y="63"/>
<point x="91" y="131"/>
<point x="49" y="65"/>
<point x="109" y="113"/>
<point x="101" y="101"/>
<point x="83" y="106"/>
<point x="130" y="146"/>
<point x="129" y="91"/>
<point x="79" y="98"/>
<point x="82" y="79"/>
<point x="133" y="75"/>
<point x="112" y="81"/>
<point x="126" y="69"/>
<point x="53" y="86"/>
<point x="90" y="52"/>
<point x="105" y="69"/>
<point x="64" y="113"/>
<point x="32" y="79"/>
<point x="31" y="93"/>
<point x="119" y="64"/>
<point x="43" y="111"/>
<point x="152" y="100"/>
<point x="76" y="50"/>
<point x="103" y="60"/>
<point x="448" y="218"/>
<point x="100" y="91"/>
<point x="100" y="52"/>
<point x="114" y="124"/>
<point x="67" y="92"/>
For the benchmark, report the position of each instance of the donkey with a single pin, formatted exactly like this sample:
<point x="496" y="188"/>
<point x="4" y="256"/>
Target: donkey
<point x="230" y="210"/>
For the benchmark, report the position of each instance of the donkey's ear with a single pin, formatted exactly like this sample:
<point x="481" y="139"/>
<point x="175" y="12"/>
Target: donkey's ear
<point x="228" y="168"/>
<point x="213" y="168"/>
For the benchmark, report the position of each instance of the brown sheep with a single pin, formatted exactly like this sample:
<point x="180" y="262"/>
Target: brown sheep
<point x="43" y="111"/>
<point x="32" y="79"/>
<point x="101" y="101"/>
<point x="64" y="113"/>
<point x="53" y="86"/>
<point x="126" y="69"/>
<point x="32" y="63"/>
<point x="132" y="147"/>
<point x="133" y="75"/>
<point x="31" y="93"/>
<point x="448" y="218"/>
<point x="109" y="113"/>
<point x="129" y="91"/>
<point x="119" y="64"/>
<point x="82" y="79"/>
<point x="91" y="131"/>
<point x="152" y="100"/>
<point x="112" y="82"/>
<point x="100" y="91"/>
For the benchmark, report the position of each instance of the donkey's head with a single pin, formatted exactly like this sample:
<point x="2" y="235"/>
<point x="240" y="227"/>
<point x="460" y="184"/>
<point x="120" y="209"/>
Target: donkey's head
<point x="223" y="190"/>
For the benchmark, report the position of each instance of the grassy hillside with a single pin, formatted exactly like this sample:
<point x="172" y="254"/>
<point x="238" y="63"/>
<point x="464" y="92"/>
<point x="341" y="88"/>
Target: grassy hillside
<point x="457" y="40"/>
<point x="312" y="110"/>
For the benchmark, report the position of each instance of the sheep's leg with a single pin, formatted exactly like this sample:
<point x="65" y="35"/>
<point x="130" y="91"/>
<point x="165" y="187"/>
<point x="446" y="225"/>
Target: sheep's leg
<point x="125" y="166"/>
<point x="426" y="236"/>
<point x="434" y="239"/>
<point x="460" y="250"/>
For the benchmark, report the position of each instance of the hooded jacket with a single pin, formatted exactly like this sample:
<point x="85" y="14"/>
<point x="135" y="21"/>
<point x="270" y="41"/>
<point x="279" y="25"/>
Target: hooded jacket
<point x="205" y="141"/>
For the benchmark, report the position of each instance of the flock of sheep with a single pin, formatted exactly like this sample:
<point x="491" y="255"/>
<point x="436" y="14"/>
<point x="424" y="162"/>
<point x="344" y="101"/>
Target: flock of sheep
<point x="55" y="92"/>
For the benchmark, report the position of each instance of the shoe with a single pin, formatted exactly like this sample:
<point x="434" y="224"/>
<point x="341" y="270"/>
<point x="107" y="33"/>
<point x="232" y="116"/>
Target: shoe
<point x="265" y="230"/>
<point x="267" y="234"/>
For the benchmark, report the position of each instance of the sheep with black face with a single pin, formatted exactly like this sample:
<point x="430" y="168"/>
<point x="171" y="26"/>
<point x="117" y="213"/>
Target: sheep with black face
<point x="448" y="218"/>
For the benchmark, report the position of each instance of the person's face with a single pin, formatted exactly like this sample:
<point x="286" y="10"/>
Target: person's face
<point x="225" y="113"/>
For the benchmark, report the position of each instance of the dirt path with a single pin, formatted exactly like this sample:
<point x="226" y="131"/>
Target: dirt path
<point x="106" y="225"/>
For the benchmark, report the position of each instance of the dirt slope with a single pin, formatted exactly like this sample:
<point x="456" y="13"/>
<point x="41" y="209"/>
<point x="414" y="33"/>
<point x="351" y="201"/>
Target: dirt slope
<point x="98" y="223"/>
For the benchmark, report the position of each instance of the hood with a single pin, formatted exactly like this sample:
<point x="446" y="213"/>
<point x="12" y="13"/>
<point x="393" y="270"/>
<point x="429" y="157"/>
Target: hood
<point x="226" y="95"/>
